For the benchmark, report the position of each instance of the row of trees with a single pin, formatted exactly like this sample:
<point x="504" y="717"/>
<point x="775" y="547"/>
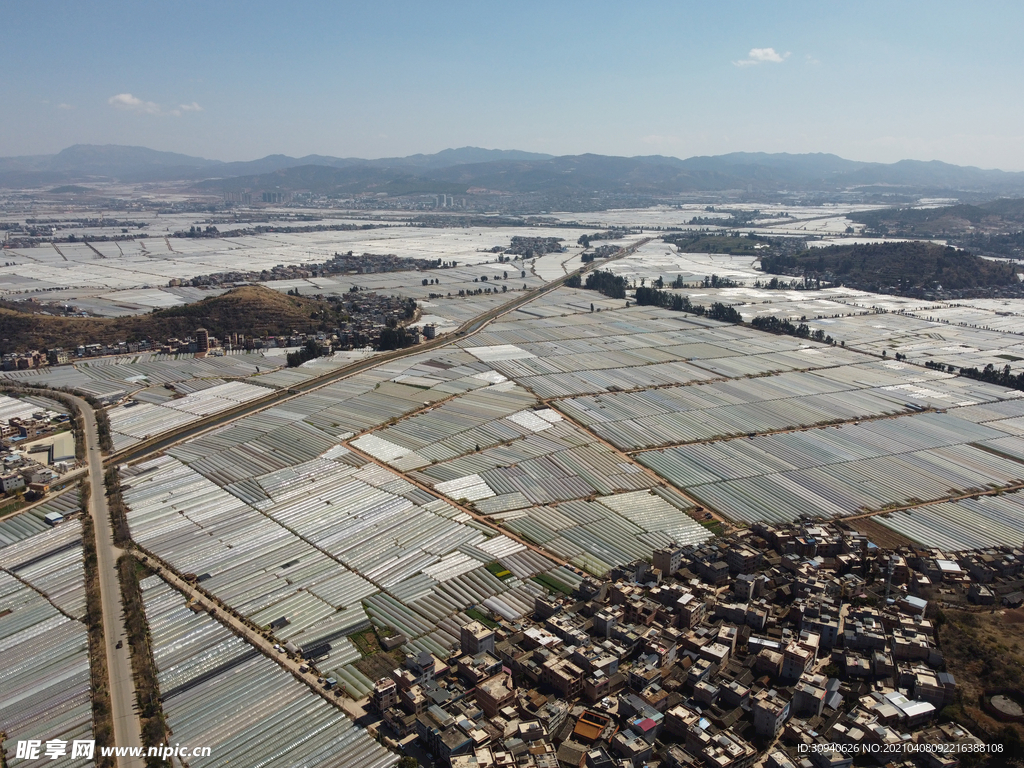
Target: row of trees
<point x="773" y="324"/>
<point x="99" y="679"/>
<point x="610" y="285"/>
<point x="678" y="303"/>
<point x="147" y="687"/>
<point x="1001" y="376"/>
<point x="478" y="291"/>
<point x="795" y="285"/>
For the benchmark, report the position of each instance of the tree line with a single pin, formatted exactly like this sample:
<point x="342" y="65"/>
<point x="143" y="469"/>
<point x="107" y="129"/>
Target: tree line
<point x="678" y="303"/>
<point x="615" y="287"/>
<point x="990" y="374"/>
<point x="773" y="324"/>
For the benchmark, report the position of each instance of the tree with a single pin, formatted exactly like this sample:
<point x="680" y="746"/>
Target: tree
<point x="393" y="338"/>
<point x="312" y="349"/>
<point x="612" y="286"/>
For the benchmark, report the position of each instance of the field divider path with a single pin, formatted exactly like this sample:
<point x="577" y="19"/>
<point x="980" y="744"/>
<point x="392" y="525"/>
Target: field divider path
<point x="160" y="443"/>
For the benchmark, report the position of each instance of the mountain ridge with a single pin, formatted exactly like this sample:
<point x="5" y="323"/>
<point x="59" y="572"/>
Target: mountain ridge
<point x="457" y="170"/>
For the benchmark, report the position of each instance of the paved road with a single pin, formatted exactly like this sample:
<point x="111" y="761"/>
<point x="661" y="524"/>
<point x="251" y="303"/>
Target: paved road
<point x="127" y="729"/>
<point x="165" y="440"/>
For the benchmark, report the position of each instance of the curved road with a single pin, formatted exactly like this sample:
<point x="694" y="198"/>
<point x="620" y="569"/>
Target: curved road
<point x="127" y="728"/>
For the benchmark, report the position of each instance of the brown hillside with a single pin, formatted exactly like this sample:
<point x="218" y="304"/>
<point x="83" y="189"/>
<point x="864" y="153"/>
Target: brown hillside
<point x="252" y="310"/>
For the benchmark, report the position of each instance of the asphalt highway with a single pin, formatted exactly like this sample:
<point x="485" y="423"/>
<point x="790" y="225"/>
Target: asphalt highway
<point x="127" y="729"/>
<point x="157" y="444"/>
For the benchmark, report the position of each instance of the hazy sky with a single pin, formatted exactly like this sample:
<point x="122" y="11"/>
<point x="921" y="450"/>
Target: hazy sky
<point x="239" y="80"/>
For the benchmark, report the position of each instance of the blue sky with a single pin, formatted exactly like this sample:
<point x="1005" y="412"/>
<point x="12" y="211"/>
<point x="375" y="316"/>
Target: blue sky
<point x="238" y="80"/>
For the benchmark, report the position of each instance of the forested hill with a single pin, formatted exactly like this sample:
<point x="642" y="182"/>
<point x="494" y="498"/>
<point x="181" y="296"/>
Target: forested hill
<point x="1002" y="215"/>
<point x="995" y="228"/>
<point x="904" y="267"/>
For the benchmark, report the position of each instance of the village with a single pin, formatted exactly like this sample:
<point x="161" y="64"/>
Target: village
<point x="780" y="646"/>
<point x="37" y="448"/>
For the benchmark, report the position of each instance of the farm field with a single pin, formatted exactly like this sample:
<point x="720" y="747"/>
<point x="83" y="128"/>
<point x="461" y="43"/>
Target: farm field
<point x="113" y="278"/>
<point x="43" y="633"/>
<point x="555" y="435"/>
<point x="208" y="678"/>
<point x="572" y="435"/>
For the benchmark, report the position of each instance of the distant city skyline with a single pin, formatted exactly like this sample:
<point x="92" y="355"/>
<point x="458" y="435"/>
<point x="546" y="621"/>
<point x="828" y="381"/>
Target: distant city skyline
<point x="869" y="81"/>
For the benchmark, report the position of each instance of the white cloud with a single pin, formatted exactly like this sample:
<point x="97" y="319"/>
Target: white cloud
<point x="134" y="104"/>
<point x="65" y="106"/>
<point x="762" y="56"/>
<point x="131" y="103"/>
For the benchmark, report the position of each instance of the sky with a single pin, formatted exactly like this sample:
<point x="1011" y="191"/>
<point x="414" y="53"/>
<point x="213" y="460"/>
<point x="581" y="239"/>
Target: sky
<point x="870" y="81"/>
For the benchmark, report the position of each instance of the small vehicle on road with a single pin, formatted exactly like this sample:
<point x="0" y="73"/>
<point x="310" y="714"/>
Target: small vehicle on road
<point x="120" y="644"/>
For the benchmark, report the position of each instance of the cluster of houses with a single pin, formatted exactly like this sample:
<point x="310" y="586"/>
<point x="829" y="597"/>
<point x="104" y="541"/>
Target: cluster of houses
<point x="773" y="645"/>
<point x="35" y="451"/>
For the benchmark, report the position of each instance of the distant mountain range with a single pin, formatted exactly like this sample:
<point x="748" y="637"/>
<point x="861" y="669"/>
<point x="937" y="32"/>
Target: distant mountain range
<point x="471" y="169"/>
<point x="92" y="162"/>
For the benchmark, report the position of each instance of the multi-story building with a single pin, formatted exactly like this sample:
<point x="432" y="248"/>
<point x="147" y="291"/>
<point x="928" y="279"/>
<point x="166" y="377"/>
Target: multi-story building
<point x="809" y="696"/>
<point x="476" y="638"/>
<point x="799" y="654"/>
<point x="770" y="713"/>
<point x="563" y="676"/>
<point x="495" y="693"/>
<point x="669" y="559"/>
<point x="742" y="559"/>
<point x="385" y="694"/>
<point x="419" y="669"/>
